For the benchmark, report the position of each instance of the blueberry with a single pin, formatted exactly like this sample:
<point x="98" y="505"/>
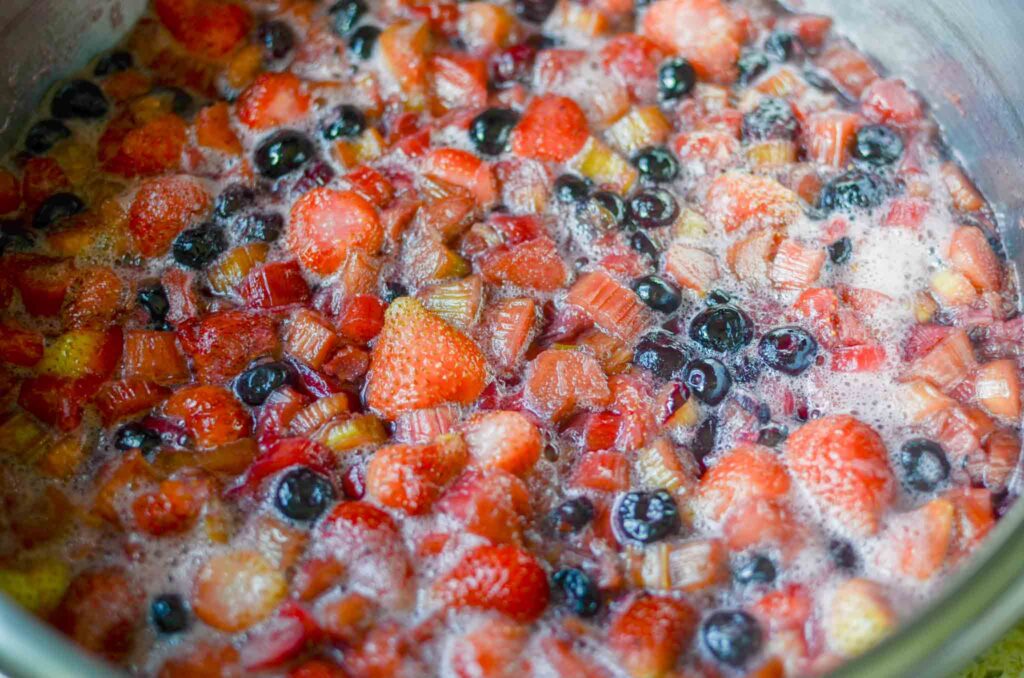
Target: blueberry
<point x="647" y="517"/>
<point x="790" y="350"/>
<point x="113" y="62"/>
<point x="169" y="613"/>
<point x="708" y="379"/>
<point x="79" y="99"/>
<point x="43" y="135"/>
<point x="773" y="118"/>
<point x="347" y="122"/>
<point x="346" y="14"/>
<point x="732" y="637"/>
<point x="676" y="78"/>
<point x="570" y="189"/>
<point x="717" y="297"/>
<point x="13" y="237"/>
<point x="652" y="208"/>
<point x="261" y="226"/>
<point x="658" y="354"/>
<point x="256" y="384"/>
<point x="747" y="369"/>
<point x="772" y="436"/>
<point x="705" y="438"/>
<point x="781" y="45"/>
<point x="490" y="131"/>
<point x="283" y="152"/>
<point x="154" y="299"/>
<point x="135" y="436"/>
<point x="658" y="293"/>
<point x="233" y="200"/>
<point x="579" y="590"/>
<point x="394" y="290"/>
<point x="572" y="515"/>
<point x="656" y="164"/>
<point x="534" y="11"/>
<point x="277" y="37"/>
<point x="643" y="244"/>
<point x="724" y="328"/>
<point x="181" y="102"/>
<point x="852" y="190"/>
<point x="612" y="203"/>
<point x="751" y="65"/>
<point x="877" y="145"/>
<point x="303" y="494"/>
<point x="840" y="251"/>
<point x="363" y="40"/>
<point x="842" y="555"/>
<point x="924" y="464"/>
<point x="198" y="247"/>
<point x="755" y="569"/>
<point x="58" y="206"/>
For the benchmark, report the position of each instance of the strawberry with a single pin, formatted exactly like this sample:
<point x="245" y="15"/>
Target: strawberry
<point x="890" y="102"/>
<point x="494" y="649"/>
<point x="567" y="660"/>
<point x="463" y="169"/>
<point x="745" y="473"/>
<point x="20" y="347"/>
<point x="403" y="48"/>
<point x="551" y="128"/>
<point x="279" y="283"/>
<point x="559" y="382"/>
<point x="863" y="358"/>
<point x="491" y="503"/>
<point x="613" y="307"/>
<point x="970" y="253"/>
<point x="58" y="401"/>
<point x="207" y="28"/>
<point x="787" y="608"/>
<point x="411" y="477"/>
<point x="843" y="464"/>
<point x="738" y="201"/>
<point x="849" y="68"/>
<point x="182" y="301"/>
<point x="650" y="632"/>
<point x="172" y="508"/>
<point x="533" y="265"/>
<point x="907" y="213"/>
<point x="326" y="225"/>
<point x="704" y="31"/>
<point x="283" y="453"/>
<point x="41" y="178"/>
<point x="371" y="184"/>
<point x="503" y="579"/>
<point x="505" y="440"/>
<point x="916" y="542"/>
<point x="284" y="636"/>
<point x="223" y="344"/>
<point x="100" y="611"/>
<point x="634" y="60"/>
<point x="973" y="520"/>
<point x="153" y="147"/>
<point x="212" y="415"/>
<point x="603" y="471"/>
<point x="690" y="267"/>
<point x="162" y="208"/>
<point x="506" y="330"/>
<point x="273" y="99"/>
<point x="458" y="80"/>
<point x="43" y="284"/>
<point x="234" y="590"/>
<point x="95" y="299"/>
<point x="762" y="521"/>
<point x="421" y="361"/>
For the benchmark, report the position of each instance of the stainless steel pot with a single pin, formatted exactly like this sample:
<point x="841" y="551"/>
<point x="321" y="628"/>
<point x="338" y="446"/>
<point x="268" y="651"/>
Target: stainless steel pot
<point x="965" y="58"/>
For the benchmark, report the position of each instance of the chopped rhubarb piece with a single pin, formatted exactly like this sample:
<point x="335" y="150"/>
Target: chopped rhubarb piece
<point x="310" y="338"/>
<point x="154" y="357"/>
<point x="119" y="400"/>
<point x="997" y="388"/>
<point x="211" y="414"/>
<point x="796" y="266"/>
<point x="690" y="267"/>
<point x="223" y="344"/>
<point x="970" y="253"/>
<point x="20" y="347"/>
<point x="558" y="383"/>
<point x="614" y="308"/>
<point x="273" y="285"/>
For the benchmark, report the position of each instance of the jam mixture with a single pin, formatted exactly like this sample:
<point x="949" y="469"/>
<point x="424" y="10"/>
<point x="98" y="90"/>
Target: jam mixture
<point x="554" y="338"/>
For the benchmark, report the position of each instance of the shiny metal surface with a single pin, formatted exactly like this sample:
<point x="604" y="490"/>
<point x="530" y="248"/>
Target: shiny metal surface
<point x="963" y="56"/>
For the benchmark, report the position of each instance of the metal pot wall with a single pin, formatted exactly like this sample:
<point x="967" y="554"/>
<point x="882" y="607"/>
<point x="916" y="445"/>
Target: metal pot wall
<point x="963" y="56"/>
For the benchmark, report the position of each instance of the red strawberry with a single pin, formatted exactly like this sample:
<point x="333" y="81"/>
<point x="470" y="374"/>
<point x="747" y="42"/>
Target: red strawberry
<point x="58" y="401"/>
<point x="559" y="382"/>
<point x="172" y="508"/>
<point x="843" y="464"/>
<point x="208" y="28"/>
<point x="212" y="415"/>
<point x="612" y="306"/>
<point x="421" y="361"/>
<point x="494" y="649"/>
<point x="491" y="503"/>
<point x="411" y="477"/>
<point x="603" y="471"/>
<point x="889" y="101"/>
<point x="43" y="283"/>
<point x="650" y="633"/>
<point x="327" y="224"/>
<point x="361" y="318"/>
<point x="532" y="265"/>
<point x="505" y="440"/>
<point x="41" y="178"/>
<point x="162" y="208"/>
<point x="551" y="128"/>
<point x="284" y="453"/>
<point x="745" y="473"/>
<point x="504" y="579"/>
<point x="703" y="31"/>
<point x="272" y="99"/>
<point x="213" y="130"/>
<point x="634" y="60"/>
<point x="223" y="344"/>
<point x="150" y="148"/>
<point x="736" y="200"/>
<point x="371" y="184"/>
<point x="761" y="521"/>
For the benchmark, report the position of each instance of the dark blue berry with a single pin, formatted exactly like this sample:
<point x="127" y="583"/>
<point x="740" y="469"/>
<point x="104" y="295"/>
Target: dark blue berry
<point x="198" y="247"/>
<point x="718" y="297"/>
<point x="181" y="102"/>
<point x="233" y="199"/>
<point x="135" y="436"/>
<point x="346" y="122"/>
<point x="169" y="613"/>
<point x="841" y="250"/>
<point x="303" y="494"/>
<point x="491" y="130"/>
<point x="724" y="328"/>
<point x="79" y="99"/>
<point x="843" y="555"/>
<point x="790" y="350"/>
<point x="781" y="45"/>
<point x="153" y="298"/>
<point x="394" y="290"/>
<point x="705" y="438"/>
<point x="733" y="637"/>
<point x="570" y="189"/>
<point x="363" y="40"/>
<point x="58" y="206"/>
<point x="277" y="37"/>
<point x="642" y="243"/>
<point x="113" y="62"/>
<point x="512" y="64"/>
<point x="534" y="11"/>
<point x="572" y="515"/>
<point x="708" y="379"/>
<point x="755" y="569"/>
<point x="751" y="65"/>
<point x="260" y="227"/>
<point x="579" y="590"/>
<point x="656" y="164"/>
<point x="43" y="135"/>
<point x="658" y="293"/>
<point x="852" y="190"/>
<point x="772" y="436"/>
<point x="659" y="354"/>
<point x="15" y="238"/>
<point x="647" y="517"/>
<point x="676" y="78"/>
<point x="773" y="118"/>
<point x="283" y="152"/>
<point x="924" y="464"/>
<point x="877" y="145"/>
<point x="256" y="384"/>
<point x="653" y="208"/>
<point x="346" y="14"/>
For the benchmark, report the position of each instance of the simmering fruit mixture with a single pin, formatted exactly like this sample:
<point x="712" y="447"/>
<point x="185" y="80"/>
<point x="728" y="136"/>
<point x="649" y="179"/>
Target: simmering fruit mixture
<point x="535" y="338"/>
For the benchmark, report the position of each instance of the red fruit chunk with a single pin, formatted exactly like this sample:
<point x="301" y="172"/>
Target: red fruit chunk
<point x="690" y="267"/>
<point x="10" y="192"/>
<point x="551" y="128"/>
<point x="613" y="307"/>
<point x="506" y="330"/>
<point x="272" y="99"/>
<point x="371" y="184"/>
<point x="154" y="357"/>
<point x="96" y="299"/>
<point x="970" y="253"/>
<point x="736" y="200"/>
<point x="20" y="347"/>
<point x="796" y="266"/>
<point x="650" y="632"/>
<point x="843" y="464"/>
<point x="634" y="60"/>
<point x="505" y="440"/>
<point x="889" y="101"/>
<point x="162" y="208"/>
<point x="118" y="400"/>
<point x="276" y="284"/>
<point x="462" y="169"/>
<point x="533" y="265"/>
<point x="212" y="415"/>
<point x="207" y="28"/>
<point x="916" y="543"/>
<point x="310" y="338"/>
<point x="43" y="285"/>
<point x="503" y="579"/>
<point x="829" y="137"/>
<point x="490" y="503"/>
<point x="410" y="477"/>
<point x="746" y="473"/>
<point x="327" y="224"/>
<point x="997" y="388"/>
<point x="761" y="521"/>
<point x="58" y="401"/>
<point x="41" y="178"/>
<point x="947" y="363"/>
<point x="284" y="454"/>
<point x="223" y="344"/>
<point x="182" y="300"/>
<point x="213" y="129"/>
<point x="361" y="318"/>
<point x="459" y="80"/>
<point x="151" y="148"/>
<point x="421" y="361"/>
<point x="850" y="69"/>
<point x="864" y="358"/>
<point x="494" y="649"/>
<point x="560" y="382"/>
<point x="703" y="31"/>
<point x="602" y="471"/>
<point x="282" y="638"/>
<point x="100" y="612"/>
<point x="172" y="508"/>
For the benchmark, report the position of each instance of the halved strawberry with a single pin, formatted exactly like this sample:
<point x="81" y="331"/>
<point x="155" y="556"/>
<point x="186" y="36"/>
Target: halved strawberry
<point x="421" y="361"/>
<point x="223" y="344"/>
<point x="327" y="224"/>
<point x="706" y="32"/>
<point x="411" y="477"/>
<point x="533" y="265"/>
<point x="690" y="267"/>
<point x="463" y="169"/>
<point x="494" y="649"/>
<point x="153" y="147"/>
<point x="843" y="464"/>
<point x="745" y="473"/>
<point x="172" y="508"/>
<point x="612" y="306"/>
<point x="491" y="503"/>
<point x="212" y="415"/>
<point x="505" y="440"/>
<point x="506" y="330"/>
<point x="273" y="99"/>
<point x="737" y="200"/>
<point x="560" y="382"/>
<point x="503" y="579"/>
<point x="162" y="208"/>
<point x="970" y="253"/>
<point x="650" y="632"/>
<point x="761" y="522"/>
<point x="552" y="128"/>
